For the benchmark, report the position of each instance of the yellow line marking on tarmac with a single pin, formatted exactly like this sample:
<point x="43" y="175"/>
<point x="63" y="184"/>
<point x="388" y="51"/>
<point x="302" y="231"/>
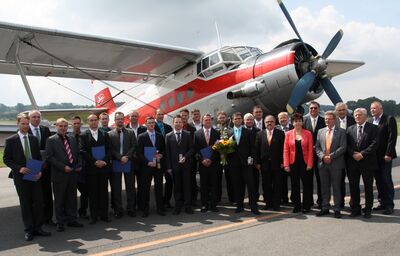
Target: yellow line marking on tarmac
<point x="196" y="233"/>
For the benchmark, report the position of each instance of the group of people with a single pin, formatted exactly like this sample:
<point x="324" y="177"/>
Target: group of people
<point x="330" y="147"/>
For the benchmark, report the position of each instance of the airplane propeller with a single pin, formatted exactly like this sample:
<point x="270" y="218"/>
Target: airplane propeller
<point x="317" y="69"/>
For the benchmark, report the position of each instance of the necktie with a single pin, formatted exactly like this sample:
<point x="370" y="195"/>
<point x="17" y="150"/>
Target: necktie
<point x="121" y="142"/>
<point x="207" y="136"/>
<point x="328" y="142"/>
<point x="153" y="139"/>
<point x="38" y="134"/>
<point x="359" y="135"/>
<point x="27" y="149"/>
<point x="68" y="150"/>
<point x="161" y="126"/>
<point x="314" y="120"/>
<point x="269" y="137"/>
<point x="179" y="137"/>
<point x="285" y="128"/>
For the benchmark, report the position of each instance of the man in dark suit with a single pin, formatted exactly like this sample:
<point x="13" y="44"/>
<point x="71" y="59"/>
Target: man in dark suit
<point x="331" y="147"/>
<point x="137" y="130"/>
<point x="208" y="165"/>
<point x="313" y="122"/>
<point x="97" y="159"/>
<point x="122" y="145"/>
<point x="178" y="152"/>
<point x="225" y="131"/>
<point x="386" y="152"/>
<point x="240" y="163"/>
<point x="251" y="126"/>
<point x="344" y="121"/>
<point x="284" y="125"/>
<point x="362" y="143"/>
<point x="196" y="119"/>
<point x="152" y="168"/>
<point x="258" y="117"/>
<point x="184" y="113"/>
<point x="42" y="133"/>
<point x="81" y="181"/>
<point x="20" y="148"/>
<point x="269" y="160"/>
<point x="164" y="129"/>
<point x="63" y="155"/>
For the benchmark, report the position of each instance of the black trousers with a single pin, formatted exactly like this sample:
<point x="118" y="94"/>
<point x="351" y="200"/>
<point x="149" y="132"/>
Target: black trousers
<point x="272" y="184"/>
<point x="65" y="199"/>
<point x="116" y="189"/>
<point x="242" y="177"/>
<point x="182" y="186"/>
<point x="315" y="170"/>
<point x="193" y="180"/>
<point x="256" y="175"/>
<point x="285" y="188"/>
<point x="147" y="175"/>
<point x="84" y="197"/>
<point x="169" y="184"/>
<point x="368" y="178"/>
<point x="225" y="171"/>
<point x="31" y="203"/>
<point x="299" y="173"/>
<point x="97" y="181"/>
<point x="208" y="184"/>
<point x="47" y="193"/>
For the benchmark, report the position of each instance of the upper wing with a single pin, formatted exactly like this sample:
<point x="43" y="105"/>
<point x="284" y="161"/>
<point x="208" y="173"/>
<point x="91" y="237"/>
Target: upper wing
<point x="337" y="67"/>
<point x="44" y="52"/>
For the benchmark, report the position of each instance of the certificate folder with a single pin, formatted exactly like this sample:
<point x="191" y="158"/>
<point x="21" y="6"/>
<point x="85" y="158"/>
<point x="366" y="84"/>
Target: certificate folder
<point x="99" y="153"/>
<point x="206" y="152"/>
<point x="35" y="166"/>
<point x="149" y="153"/>
<point x="117" y="166"/>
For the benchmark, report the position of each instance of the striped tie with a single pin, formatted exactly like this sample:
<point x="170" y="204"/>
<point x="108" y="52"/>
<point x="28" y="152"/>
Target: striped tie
<point x="68" y="150"/>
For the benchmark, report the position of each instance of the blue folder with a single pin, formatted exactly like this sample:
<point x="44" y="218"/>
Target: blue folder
<point x="206" y="152"/>
<point x="99" y="153"/>
<point x="117" y="166"/>
<point x="35" y="166"/>
<point x="149" y="153"/>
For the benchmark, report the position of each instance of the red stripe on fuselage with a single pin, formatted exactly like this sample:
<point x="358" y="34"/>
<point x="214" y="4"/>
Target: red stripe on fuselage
<point x="198" y="88"/>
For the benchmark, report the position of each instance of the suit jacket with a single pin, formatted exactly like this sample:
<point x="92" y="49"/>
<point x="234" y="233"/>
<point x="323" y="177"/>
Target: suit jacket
<point x="254" y="130"/>
<point x="262" y="122"/>
<point x="244" y="149"/>
<point x="338" y="147"/>
<point x="167" y="129"/>
<point x="367" y="146"/>
<point x="173" y="149"/>
<point x="144" y="141"/>
<point x="88" y="142"/>
<point x="308" y="125"/>
<point x="349" y="121"/>
<point x="44" y="134"/>
<point x="289" y="149"/>
<point x="128" y="147"/>
<point x="387" y="136"/>
<point x="200" y="143"/>
<point x="190" y="128"/>
<point x="280" y="127"/>
<point x="273" y="152"/>
<point x="141" y="129"/>
<point x="57" y="156"/>
<point x="14" y="156"/>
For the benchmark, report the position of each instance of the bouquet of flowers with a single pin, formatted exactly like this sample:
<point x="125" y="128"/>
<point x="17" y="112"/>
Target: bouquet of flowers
<point x="224" y="146"/>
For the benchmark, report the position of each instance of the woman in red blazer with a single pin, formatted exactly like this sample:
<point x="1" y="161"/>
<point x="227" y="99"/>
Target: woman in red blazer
<point x="298" y="161"/>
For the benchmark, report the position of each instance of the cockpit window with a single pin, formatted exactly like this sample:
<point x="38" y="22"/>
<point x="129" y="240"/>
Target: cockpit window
<point x="229" y="55"/>
<point x="214" y="59"/>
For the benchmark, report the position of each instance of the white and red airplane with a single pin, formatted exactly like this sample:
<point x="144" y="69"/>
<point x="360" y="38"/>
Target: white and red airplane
<point x="230" y="78"/>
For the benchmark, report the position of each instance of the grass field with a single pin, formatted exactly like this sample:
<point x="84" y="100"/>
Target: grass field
<point x="1" y="158"/>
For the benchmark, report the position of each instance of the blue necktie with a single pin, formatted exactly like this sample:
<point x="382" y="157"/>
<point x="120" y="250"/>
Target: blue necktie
<point x="153" y="139"/>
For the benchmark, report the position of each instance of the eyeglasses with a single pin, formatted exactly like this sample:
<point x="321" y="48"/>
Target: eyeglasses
<point x="313" y="108"/>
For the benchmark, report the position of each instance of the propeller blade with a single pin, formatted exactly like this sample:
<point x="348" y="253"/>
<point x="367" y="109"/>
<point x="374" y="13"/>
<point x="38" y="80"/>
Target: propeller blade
<point x="331" y="91"/>
<point x="300" y="90"/>
<point x="332" y="44"/>
<point x="287" y="15"/>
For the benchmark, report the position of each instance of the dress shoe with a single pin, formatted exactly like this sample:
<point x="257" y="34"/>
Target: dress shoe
<point x="255" y="211"/>
<point x="105" y="219"/>
<point x="50" y="222"/>
<point x="204" y="209"/>
<point x="118" y="215"/>
<point x="367" y="215"/>
<point x="355" y="213"/>
<point x="338" y="215"/>
<point x="296" y="209"/>
<point x="214" y="209"/>
<point x="161" y="212"/>
<point x="145" y="214"/>
<point x="379" y="208"/>
<point x="176" y="211"/>
<point x="267" y="207"/>
<point x="322" y="213"/>
<point x="41" y="232"/>
<point x="60" y="227"/>
<point x="28" y="236"/>
<point x="388" y="211"/>
<point x="239" y="209"/>
<point x="74" y="224"/>
<point x="189" y="210"/>
<point x="306" y="210"/>
<point x="132" y="214"/>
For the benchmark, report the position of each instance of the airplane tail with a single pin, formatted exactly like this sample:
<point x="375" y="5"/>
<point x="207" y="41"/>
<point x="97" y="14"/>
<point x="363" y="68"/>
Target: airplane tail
<point x="104" y="99"/>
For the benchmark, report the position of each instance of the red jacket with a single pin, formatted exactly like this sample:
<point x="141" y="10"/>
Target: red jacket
<point x="289" y="150"/>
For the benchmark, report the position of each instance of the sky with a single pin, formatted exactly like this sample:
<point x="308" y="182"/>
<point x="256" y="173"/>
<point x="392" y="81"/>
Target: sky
<point x="371" y="34"/>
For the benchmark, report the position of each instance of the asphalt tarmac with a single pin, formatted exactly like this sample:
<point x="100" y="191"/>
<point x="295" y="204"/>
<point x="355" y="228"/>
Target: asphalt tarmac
<point x="223" y="233"/>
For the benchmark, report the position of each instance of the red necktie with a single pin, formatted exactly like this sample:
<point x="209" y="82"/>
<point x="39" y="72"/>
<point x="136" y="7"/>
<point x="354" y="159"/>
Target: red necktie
<point x="68" y="150"/>
<point x="207" y="136"/>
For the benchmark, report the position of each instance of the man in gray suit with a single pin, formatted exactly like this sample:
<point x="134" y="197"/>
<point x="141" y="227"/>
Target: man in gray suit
<point x="330" y="147"/>
<point x="63" y="155"/>
<point x="123" y="145"/>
